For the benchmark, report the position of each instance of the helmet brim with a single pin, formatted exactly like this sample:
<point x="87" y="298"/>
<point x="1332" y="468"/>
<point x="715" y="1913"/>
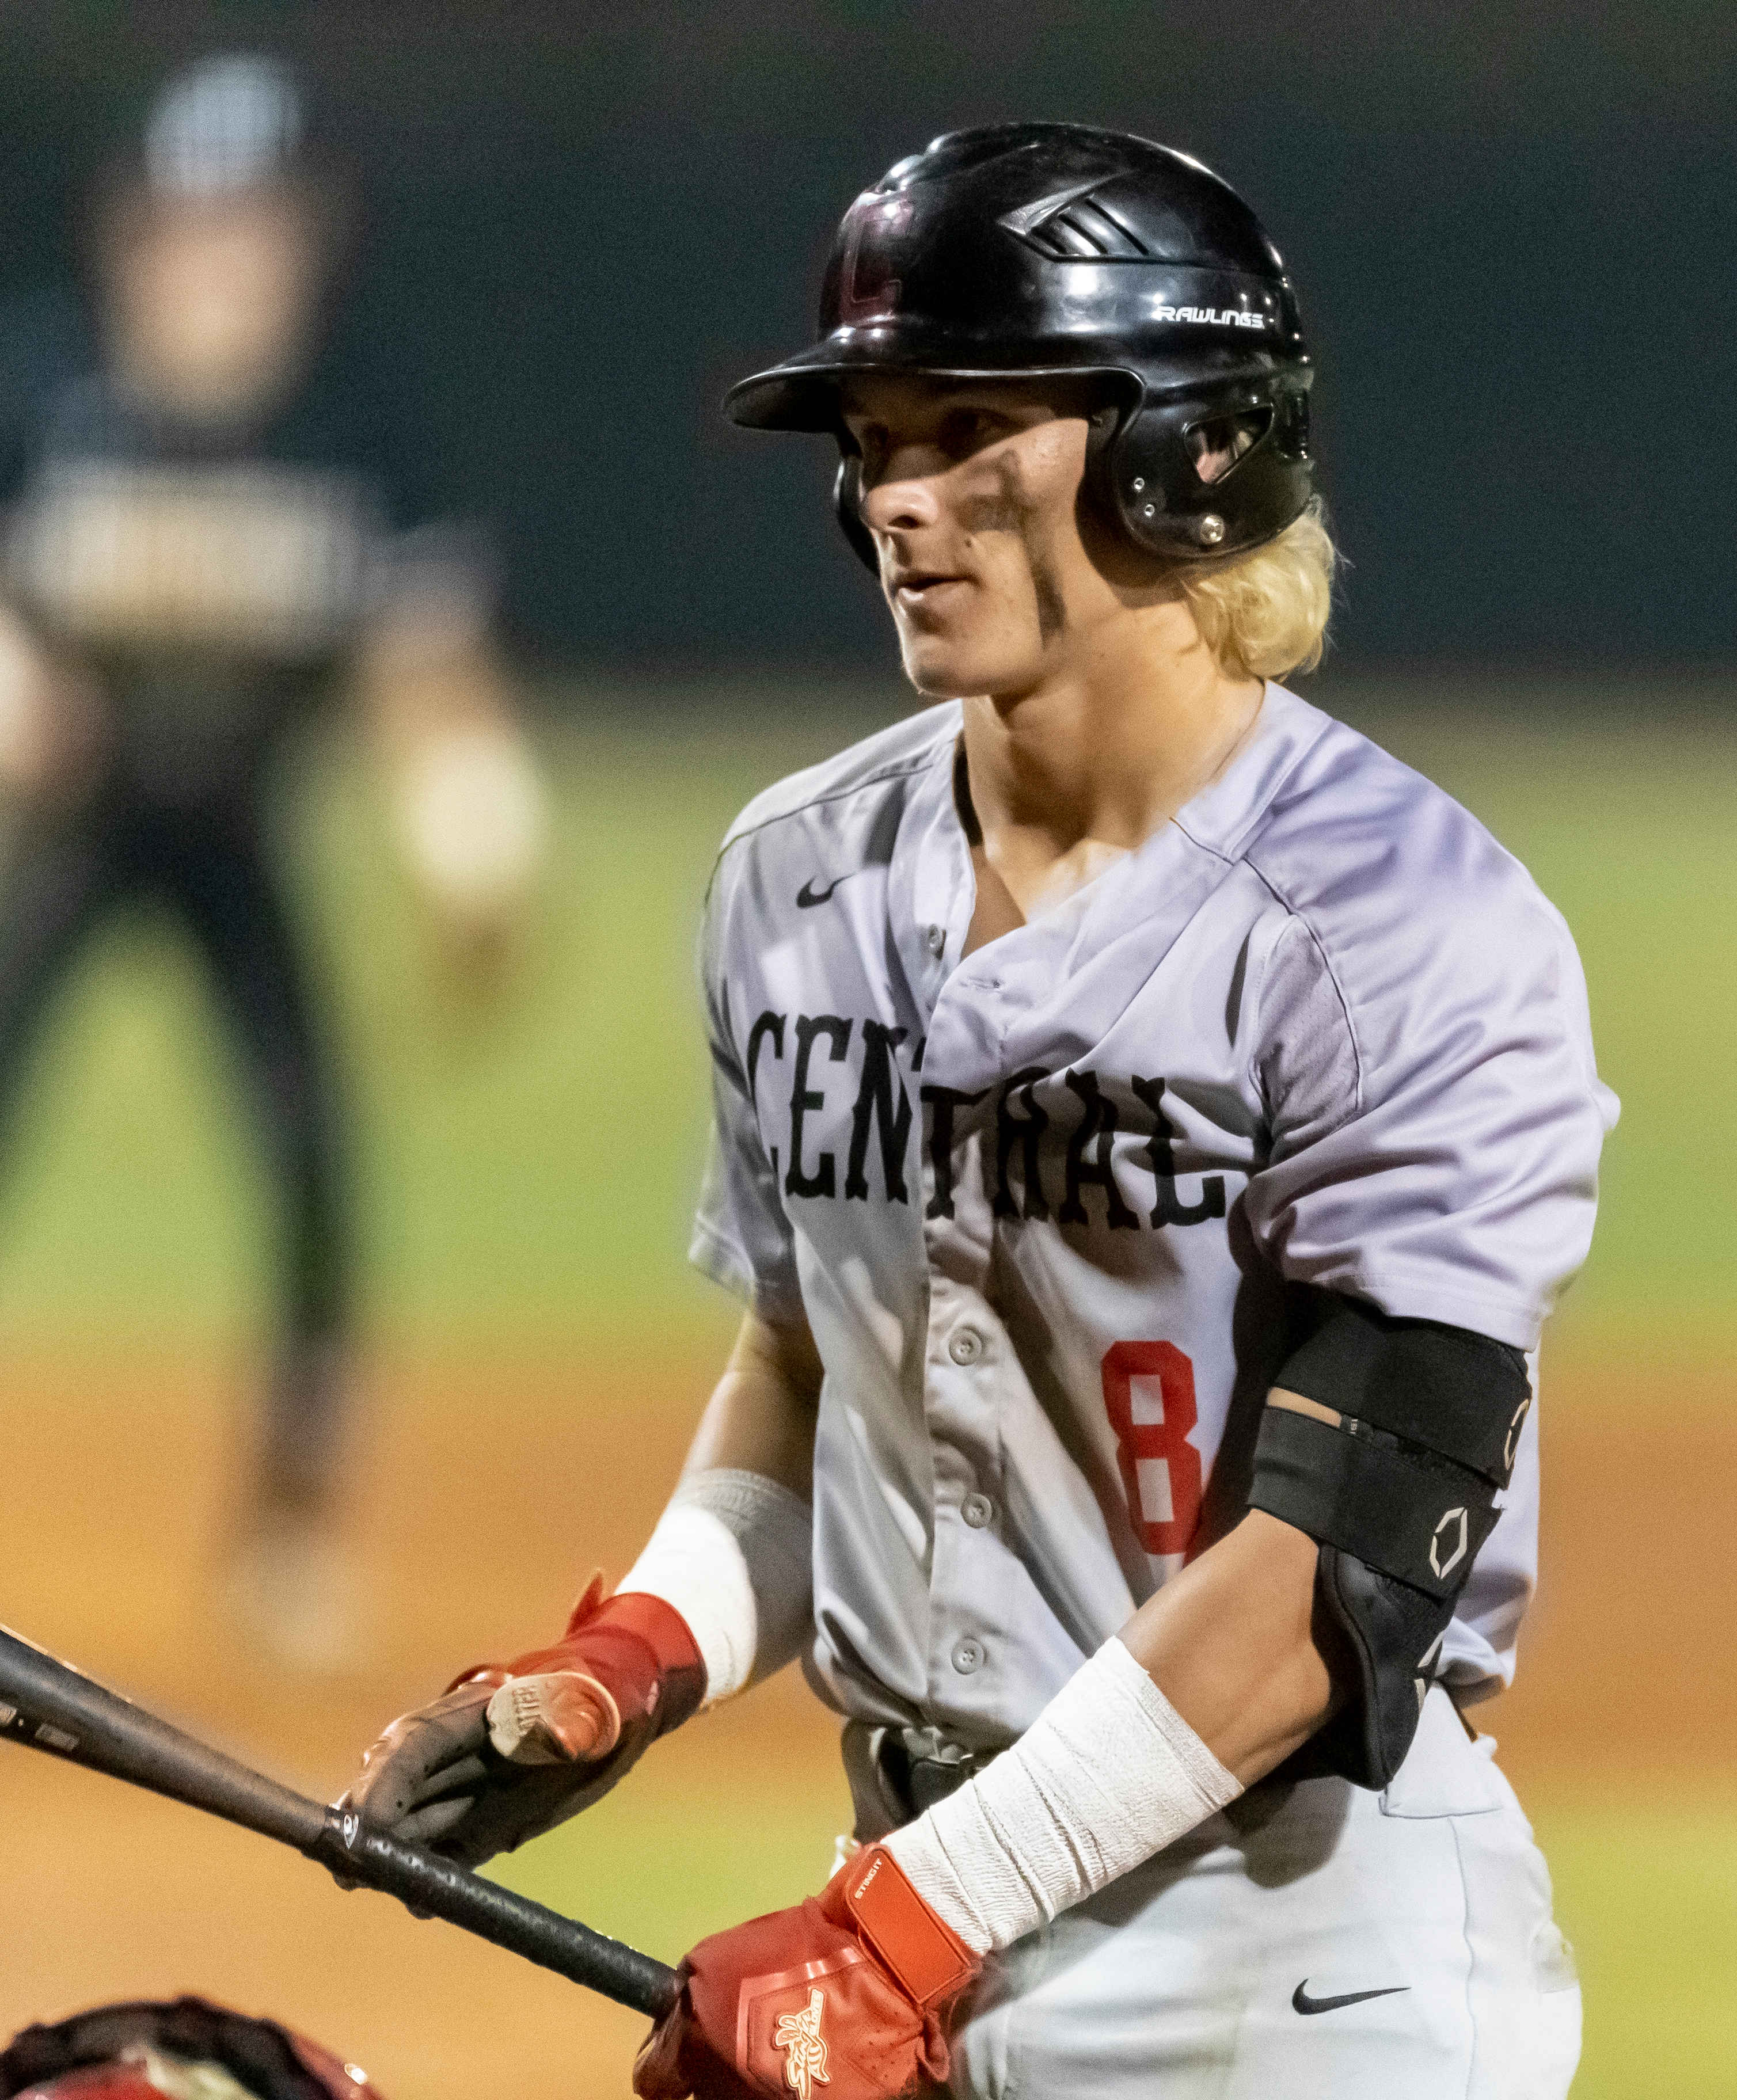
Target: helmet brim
<point x="802" y="394"/>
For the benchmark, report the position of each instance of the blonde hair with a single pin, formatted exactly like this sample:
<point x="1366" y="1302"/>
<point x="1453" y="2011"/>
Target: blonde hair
<point x="1265" y="613"/>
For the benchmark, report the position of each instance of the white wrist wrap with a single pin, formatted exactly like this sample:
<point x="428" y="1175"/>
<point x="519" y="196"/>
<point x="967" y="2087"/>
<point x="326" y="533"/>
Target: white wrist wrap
<point x="733" y="1553"/>
<point x="1108" y="1774"/>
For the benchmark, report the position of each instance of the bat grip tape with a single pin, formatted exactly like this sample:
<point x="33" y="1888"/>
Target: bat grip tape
<point x="440" y="1888"/>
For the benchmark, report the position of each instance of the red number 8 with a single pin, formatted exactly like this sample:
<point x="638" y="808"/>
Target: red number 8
<point x="1160" y="1468"/>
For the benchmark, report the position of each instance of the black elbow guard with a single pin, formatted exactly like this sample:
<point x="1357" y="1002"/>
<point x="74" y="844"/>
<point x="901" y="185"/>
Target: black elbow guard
<point x="1399" y="1491"/>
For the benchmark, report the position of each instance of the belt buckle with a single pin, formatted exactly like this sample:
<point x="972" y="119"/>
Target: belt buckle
<point x="934" y="1779"/>
<point x="933" y="1767"/>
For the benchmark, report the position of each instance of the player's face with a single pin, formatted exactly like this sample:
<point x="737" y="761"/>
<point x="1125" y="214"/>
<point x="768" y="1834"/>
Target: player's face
<point x="209" y="300"/>
<point x="972" y="495"/>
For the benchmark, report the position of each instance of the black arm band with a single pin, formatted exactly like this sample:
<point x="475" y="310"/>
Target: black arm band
<point x="1456" y="1393"/>
<point x="1413" y="1515"/>
<point x="1399" y="1492"/>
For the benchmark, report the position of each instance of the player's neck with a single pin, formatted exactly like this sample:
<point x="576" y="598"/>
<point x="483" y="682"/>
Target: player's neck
<point x="1129" y="724"/>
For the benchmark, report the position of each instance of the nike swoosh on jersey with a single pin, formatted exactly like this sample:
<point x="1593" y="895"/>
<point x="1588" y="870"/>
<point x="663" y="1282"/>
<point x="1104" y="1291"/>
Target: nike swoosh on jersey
<point x="1302" y="2002"/>
<point x="808" y="897"/>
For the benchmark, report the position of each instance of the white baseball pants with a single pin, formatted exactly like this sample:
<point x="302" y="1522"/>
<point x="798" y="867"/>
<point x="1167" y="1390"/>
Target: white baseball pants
<point x="1315" y="1942"/>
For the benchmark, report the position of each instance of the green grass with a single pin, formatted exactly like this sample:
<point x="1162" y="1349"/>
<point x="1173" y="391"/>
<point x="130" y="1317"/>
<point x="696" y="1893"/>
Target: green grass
<point x="528" y="1161"/>
<point x="1647" y="1890"/>
<point x="528" y="1164"/>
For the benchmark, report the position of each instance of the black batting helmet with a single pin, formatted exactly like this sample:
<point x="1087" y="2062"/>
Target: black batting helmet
<point x="1046" y="250"/>
<point x="147" y="2048"/>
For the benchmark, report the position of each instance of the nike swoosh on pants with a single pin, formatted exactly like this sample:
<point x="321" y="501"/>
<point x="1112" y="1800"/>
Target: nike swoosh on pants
<point x="1302" y="2002"/>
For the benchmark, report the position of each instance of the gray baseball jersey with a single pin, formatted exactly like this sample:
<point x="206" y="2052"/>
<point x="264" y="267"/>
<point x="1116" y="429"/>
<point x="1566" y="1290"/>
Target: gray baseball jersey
<point x="1050" y="1211"/>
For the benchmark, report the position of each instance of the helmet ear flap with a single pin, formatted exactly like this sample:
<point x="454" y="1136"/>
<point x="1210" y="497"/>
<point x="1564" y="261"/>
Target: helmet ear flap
<point x="1152" y="479"/>
<point x="1103" y="437"/>
<point x="847" y="504"/>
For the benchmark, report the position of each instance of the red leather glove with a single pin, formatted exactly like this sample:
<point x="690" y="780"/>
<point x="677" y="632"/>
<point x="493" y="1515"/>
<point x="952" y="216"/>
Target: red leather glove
<point x="851" y="1990"/>
<point x="577" y="1715"/>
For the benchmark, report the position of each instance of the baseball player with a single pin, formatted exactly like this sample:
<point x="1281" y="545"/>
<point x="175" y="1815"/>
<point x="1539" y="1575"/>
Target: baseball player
<point x="216" y="505"/>
<point x="1152" y="1125"/>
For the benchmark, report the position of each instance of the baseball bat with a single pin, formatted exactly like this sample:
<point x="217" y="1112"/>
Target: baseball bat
<point x="49" y="1706"/>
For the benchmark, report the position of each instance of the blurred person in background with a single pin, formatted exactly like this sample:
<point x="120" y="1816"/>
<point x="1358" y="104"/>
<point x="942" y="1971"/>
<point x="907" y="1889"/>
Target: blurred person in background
<point x="214" y="509"/>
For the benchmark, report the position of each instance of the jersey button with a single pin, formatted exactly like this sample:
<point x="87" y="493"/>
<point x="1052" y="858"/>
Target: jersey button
<point x="968" y="1655"/>
<point x="977" y="1511"/>
<point x="936" y="937"/>
<point x="967" y="1346"/>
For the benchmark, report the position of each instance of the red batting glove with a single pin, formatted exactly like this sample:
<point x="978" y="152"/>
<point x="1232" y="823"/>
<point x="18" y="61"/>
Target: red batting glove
<point x="626" y="1671"/>
<point x="851" y="1992"/>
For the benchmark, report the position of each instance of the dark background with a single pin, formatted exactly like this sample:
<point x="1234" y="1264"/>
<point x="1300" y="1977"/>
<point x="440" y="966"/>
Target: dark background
<point x="1513" y="241"/>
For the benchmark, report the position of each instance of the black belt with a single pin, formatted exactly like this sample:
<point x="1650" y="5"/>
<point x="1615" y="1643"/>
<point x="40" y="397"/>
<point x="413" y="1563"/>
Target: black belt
<point x="918" y="1767"/>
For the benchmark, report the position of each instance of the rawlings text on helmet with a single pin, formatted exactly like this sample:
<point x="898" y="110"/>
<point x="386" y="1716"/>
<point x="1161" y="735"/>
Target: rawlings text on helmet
<point x="1214" y="316"/>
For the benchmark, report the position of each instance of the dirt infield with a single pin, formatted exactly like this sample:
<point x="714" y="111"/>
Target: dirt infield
<point x="1624" y="1667"/>
<point x="481" y="1497"/>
